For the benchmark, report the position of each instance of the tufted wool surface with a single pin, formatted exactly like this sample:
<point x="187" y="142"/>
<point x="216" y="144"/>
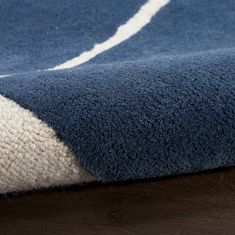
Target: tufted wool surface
<point x="31" y="154"/>
<point x="114" y="90"/>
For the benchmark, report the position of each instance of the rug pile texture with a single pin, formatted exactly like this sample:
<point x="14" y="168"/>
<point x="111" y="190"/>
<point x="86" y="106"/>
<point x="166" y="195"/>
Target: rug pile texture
<point x="114" y="90"/>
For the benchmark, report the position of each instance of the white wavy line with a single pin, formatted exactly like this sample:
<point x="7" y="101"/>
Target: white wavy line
<point x="6" y="75"/>
<point x="124" y="32"/>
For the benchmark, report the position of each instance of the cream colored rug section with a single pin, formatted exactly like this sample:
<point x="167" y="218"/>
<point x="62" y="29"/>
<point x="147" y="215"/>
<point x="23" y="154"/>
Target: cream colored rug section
<point x="31" y="156"/>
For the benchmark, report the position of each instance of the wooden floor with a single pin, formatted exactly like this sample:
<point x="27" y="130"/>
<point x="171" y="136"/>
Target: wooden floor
<point x="194" y="204"/>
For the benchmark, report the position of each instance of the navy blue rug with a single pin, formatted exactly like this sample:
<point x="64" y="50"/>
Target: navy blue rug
<point x="133" y="89"/>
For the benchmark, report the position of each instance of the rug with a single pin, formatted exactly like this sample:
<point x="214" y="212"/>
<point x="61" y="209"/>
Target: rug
<point x="114" y="90"/>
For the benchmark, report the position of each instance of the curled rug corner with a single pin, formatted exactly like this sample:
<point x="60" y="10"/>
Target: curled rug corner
<point x="31" y="156"/>
<point x="125" y="90"/>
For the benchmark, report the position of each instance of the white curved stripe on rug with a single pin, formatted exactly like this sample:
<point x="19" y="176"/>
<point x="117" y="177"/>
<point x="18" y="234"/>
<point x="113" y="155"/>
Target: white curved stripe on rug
<point x="124" y="32"/>
<point x="31" y="156"/>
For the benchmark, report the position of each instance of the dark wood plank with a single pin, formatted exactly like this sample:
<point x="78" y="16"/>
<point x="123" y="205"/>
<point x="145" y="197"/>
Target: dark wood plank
<point x="193" y="204"/>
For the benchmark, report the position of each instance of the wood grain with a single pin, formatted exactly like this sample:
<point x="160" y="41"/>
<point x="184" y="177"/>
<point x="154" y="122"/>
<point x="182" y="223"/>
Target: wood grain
<point x="194" y="204"/>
